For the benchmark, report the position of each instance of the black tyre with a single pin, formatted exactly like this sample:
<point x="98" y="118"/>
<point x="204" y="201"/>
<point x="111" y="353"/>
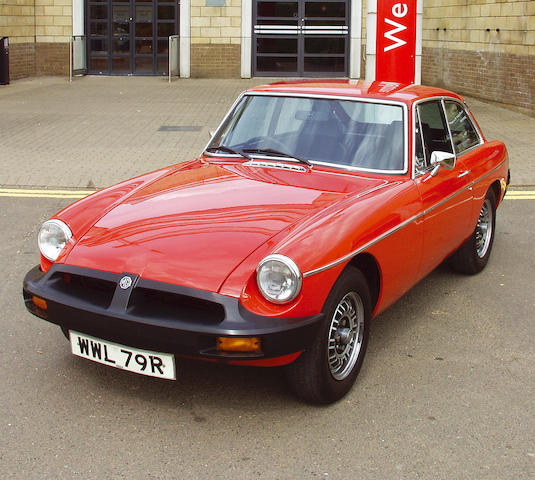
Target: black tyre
<point x="473" y="255"/>
<point x="327" y="370"/>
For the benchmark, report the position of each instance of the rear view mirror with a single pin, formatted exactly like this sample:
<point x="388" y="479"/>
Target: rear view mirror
<point x="442" y="159"/>
<point x="316" y="116"/>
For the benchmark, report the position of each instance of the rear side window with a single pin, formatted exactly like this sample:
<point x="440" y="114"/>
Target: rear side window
<point x="463" y="132"/>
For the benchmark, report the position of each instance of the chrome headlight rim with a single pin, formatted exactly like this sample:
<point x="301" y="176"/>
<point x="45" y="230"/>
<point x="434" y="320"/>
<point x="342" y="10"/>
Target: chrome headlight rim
<point x="64" y="229"/>
<point x="295" y="271"/>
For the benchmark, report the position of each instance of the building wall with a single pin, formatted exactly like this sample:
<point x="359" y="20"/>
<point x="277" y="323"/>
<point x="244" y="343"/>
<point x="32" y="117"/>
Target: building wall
<point x="53" y="28"/>
<point x="17" y="21"/>
<point x="215" y="38"/>
<point x="482" y="48"/>
<point x="39" y="32"/>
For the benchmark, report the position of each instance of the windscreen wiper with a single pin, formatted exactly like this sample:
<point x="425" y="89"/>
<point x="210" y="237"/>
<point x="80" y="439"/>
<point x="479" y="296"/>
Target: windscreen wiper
<point x="226" y="149"/>
<point x="270" y="151"/>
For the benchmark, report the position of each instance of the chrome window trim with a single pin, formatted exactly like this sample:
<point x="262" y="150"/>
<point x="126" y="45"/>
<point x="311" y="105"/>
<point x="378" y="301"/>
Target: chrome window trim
<point x="230" y="110"/>
<point x="414" y="106"/>
<point x="399" y="103"/>
<point x="393" y="230"/>
<point x="443" y="103"/>
<point x="442" y="99"/>
<point x="416" y="116"/>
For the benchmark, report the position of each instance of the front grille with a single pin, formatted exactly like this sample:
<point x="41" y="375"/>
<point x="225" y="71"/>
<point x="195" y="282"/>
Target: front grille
<point x="146" y="302"/>
<point x="91" y="290"/>
<point x="143" y="302"/>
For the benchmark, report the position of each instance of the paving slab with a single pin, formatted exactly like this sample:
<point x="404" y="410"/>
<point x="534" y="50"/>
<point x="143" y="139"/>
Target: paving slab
<point x="97" y="131"/>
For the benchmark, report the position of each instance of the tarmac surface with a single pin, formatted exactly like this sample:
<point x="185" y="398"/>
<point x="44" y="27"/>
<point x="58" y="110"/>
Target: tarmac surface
<point x="447" y="386"/>
<point x="97" y="131"/>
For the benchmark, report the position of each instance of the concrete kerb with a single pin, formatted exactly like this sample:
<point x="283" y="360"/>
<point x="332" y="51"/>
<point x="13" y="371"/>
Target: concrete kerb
<point x="97" y="131"/>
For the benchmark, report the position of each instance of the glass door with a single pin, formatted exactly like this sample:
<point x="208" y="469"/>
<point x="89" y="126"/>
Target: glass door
<point x="301" y="38"/>
<point x="120" y="37"/>
<point x="128" y="37"/>
<point x="325" y="38"/>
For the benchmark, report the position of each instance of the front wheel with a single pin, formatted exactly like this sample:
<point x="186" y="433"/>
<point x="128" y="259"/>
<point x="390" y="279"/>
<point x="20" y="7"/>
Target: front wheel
<point x="327" y="370"/>
<point x="473" y="255"/>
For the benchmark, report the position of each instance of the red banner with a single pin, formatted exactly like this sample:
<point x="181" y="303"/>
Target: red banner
<point x="396" y="41"/>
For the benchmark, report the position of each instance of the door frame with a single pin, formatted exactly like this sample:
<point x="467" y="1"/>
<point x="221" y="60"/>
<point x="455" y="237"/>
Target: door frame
<point x="131" y="37"/>
<point x="354" y="48"/>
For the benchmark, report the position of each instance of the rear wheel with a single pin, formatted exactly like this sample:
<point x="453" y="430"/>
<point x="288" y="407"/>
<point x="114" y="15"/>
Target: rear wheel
<point x="473" y="255"/>
<point x="327" y="370"/>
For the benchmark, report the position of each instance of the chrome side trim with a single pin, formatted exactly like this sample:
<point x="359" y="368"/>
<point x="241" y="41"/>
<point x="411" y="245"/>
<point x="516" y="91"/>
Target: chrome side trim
<point x="354" y="253"/>
<point x="393" y="230"/>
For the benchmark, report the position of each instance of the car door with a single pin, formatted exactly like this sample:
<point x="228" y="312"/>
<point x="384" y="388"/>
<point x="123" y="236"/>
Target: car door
<point x="445" y="194"/>
<point x="469" y="148"/>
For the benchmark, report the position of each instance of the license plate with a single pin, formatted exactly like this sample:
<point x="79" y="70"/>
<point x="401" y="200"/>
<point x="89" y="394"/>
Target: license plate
<point x="135" y="360"/>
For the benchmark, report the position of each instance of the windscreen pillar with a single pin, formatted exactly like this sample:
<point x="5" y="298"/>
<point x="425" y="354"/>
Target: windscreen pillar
<point x="394" y="41"/>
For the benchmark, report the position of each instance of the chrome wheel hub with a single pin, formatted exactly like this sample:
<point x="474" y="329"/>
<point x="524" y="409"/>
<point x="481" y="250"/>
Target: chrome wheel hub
<point x="484" y="227"/>
<point x="345" y="335"/>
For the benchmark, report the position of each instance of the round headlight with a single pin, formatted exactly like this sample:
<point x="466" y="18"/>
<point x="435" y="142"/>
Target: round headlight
<point x="278" y="278"/>
<point x="53" y="237"/>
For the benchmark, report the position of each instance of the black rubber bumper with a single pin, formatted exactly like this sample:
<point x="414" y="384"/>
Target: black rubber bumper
<point x="158" y="316"/>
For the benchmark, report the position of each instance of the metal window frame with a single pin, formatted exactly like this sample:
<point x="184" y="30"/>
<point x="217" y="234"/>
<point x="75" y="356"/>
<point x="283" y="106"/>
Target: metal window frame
<point x="442" y="99"/>
<point x="132" y="38"/>
<point x="405" y="110"/>
<point x="300" y="32"/>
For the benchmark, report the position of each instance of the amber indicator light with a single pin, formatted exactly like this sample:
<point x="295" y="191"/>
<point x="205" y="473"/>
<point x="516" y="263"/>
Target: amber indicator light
<point x="238" y="344"/>
<point x="39" y="302"/>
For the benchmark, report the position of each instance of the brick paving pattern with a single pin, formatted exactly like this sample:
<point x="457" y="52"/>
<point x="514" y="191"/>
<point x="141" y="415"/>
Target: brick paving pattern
<point x="97" y="131"/>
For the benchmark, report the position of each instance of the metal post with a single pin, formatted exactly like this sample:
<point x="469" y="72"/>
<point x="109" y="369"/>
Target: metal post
<point x="171" y="53"/>
<point x="71" y="42"/>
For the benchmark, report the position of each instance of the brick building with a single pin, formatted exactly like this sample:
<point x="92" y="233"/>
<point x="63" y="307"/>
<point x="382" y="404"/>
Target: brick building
<point x="484" y="48"/>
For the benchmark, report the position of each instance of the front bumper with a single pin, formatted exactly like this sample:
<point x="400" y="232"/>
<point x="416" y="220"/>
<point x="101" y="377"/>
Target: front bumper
<point x="160" y="316"/>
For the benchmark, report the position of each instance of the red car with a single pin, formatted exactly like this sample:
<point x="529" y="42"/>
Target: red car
<point x="314" y="207"/>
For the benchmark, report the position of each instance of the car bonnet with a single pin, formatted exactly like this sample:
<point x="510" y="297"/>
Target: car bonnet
<point x="194" y="226"/>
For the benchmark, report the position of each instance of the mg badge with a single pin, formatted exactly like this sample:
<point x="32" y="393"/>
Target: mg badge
<point x="125" y="282"/>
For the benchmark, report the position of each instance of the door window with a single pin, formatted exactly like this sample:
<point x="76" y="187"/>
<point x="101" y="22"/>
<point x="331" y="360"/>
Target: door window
<point x="436" y="136"/>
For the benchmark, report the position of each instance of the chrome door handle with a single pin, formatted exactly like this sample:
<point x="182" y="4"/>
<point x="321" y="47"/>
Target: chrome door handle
<point x="463" y="174"/>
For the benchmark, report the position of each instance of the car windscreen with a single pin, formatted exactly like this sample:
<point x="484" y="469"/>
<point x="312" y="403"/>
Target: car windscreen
<point x="360" y="134"/>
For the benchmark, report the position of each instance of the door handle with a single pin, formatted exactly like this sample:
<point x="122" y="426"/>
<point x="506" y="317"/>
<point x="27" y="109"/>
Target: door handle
<point x="463" y="174"/>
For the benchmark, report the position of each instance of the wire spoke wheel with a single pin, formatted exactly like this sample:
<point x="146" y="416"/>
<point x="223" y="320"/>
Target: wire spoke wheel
<point x="483" y="231"/>
<point x="472" y="256"/>
<point x="326" y="371"/>
<point x="345" y="335"/>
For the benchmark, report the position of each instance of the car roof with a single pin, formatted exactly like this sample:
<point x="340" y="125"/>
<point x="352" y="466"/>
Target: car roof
<point x="400" y="92"/>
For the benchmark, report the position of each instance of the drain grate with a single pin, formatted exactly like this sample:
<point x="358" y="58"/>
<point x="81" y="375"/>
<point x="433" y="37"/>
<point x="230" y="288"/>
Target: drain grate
<point x="179" y="128"/>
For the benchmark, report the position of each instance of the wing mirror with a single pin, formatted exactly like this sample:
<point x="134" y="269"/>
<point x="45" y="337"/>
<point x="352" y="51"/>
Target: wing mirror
<point x="442" y="159"/>
<point x="211" y="133"/>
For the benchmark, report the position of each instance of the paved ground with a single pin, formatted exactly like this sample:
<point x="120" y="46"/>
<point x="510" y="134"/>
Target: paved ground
<point x="97" y="131"/>
<point x="445" y="393"/>
<point x="446" y="390"/>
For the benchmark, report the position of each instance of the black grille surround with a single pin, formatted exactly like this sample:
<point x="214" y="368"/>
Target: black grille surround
<point x="159" y="316"/>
